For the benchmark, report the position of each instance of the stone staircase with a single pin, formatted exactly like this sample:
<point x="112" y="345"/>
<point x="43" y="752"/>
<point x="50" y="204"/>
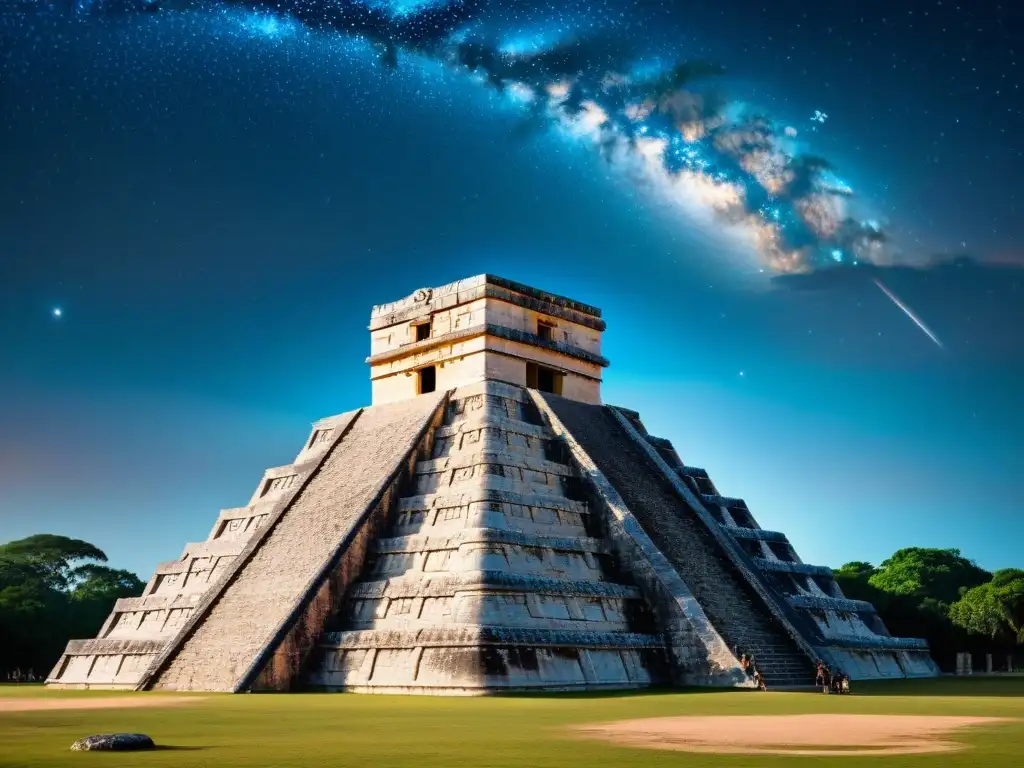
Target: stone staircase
<point x="242" y="635"/>
<point x="492" y="574"/>
<point x="735" y="609"/>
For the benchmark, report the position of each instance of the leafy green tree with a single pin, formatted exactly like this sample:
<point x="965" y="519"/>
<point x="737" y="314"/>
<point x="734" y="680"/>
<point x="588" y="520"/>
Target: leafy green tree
<point x="53" y="588"/>
<point x="920" y="572"/>
<point x="912" y="590"/>
<point x="53" y="556"/>
<point x="858" y="569"/>
<point x="98" y="582"/>
<point x="995" y="609"/>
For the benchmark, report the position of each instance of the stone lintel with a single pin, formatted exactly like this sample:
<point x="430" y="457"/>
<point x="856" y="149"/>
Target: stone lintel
<point x="491" y="390"/>
<point x="491" y="495"/>
<point x="109" y="646"/>
<point x="502" y="424"/>
<point x="839" y="604"/>
<point x="213" y="548"/>
<point x="518" y="460"/>
<point x="759" y="534"/>
<point x="239" y="513"/>
<point x="785" y="566"/>
<point x="876" y="643"/>
<point x="487" y="635"/>
<point x="450" y="584"/>
<point x="156" y="602"/>
<point x="487" y="329"/>
<point x="724" y="501"/>
<point x="489" y="536"/>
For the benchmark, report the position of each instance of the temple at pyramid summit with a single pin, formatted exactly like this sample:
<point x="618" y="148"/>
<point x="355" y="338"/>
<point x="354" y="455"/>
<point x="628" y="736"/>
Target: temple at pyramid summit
<point x="487" y="524"/>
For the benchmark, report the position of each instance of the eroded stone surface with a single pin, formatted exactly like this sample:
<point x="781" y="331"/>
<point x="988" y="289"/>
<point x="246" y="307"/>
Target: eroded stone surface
<point x="115" y="742"/>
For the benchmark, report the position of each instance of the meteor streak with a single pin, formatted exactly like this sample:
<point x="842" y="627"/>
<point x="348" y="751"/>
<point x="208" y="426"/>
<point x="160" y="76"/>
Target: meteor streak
<point x="908" y="312"/>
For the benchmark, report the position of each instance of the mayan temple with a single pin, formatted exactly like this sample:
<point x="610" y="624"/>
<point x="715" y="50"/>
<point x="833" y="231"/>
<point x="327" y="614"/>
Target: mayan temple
<point x="486" y="525"/>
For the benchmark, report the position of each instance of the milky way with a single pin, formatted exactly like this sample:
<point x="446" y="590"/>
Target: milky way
<point x="656" y="117"/>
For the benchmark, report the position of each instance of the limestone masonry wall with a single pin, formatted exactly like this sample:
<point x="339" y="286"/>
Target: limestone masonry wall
<point x="484" y="328"/>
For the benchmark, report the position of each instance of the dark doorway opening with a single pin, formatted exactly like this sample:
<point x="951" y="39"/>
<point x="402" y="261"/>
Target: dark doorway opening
<point x="427" y="379"/>
<point x="422" y="331"/>
<point x="544" y="379"/>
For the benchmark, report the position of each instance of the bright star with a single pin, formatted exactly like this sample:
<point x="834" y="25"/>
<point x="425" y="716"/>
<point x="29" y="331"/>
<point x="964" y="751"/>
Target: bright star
<point x="58" y="312"/>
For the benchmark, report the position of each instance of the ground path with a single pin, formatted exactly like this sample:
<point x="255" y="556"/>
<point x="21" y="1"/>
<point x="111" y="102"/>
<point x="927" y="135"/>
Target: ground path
<point x="26" y="704"/>
<point x="813" y="734"/>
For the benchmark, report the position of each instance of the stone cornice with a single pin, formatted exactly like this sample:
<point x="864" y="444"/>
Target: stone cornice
<point x="431" y="542"/>
<point x="447" y="500"/>
<point x="758" y="534"/>
<point x="488" y="329"/>
<point x="453" y="637"/>
<point x="825" y="603"/>
<point x="875" y="643"/>
<point x="432" y="300"/>
<point x="784" y="566"/>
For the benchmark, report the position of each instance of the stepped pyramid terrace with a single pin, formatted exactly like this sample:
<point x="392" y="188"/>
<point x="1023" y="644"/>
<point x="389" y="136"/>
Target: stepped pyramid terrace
<point x="485" y="525"/>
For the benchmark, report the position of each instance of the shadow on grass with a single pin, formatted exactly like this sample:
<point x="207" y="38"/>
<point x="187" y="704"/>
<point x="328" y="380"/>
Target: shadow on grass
<point x="172" y="748"/>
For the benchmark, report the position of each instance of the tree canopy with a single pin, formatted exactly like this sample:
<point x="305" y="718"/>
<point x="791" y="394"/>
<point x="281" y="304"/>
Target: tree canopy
<point x="53" y="588"/>
<point x="995" y="609"/>
<point x="940" y="574"/>
<point x="939" y="595"/>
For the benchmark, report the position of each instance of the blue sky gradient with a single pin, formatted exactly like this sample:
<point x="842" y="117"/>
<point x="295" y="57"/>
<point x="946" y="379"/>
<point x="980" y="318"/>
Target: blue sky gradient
<point x="216" y="215"/>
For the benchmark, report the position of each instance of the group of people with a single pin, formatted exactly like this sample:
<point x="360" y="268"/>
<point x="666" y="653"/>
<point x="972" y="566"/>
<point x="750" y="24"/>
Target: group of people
<point x="748" y="665"/>
<point x="18" y="676"/>
<point x="831" y="682"/>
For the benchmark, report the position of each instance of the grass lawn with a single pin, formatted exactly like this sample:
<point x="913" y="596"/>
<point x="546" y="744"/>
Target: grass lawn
<point x="329" y="730"/>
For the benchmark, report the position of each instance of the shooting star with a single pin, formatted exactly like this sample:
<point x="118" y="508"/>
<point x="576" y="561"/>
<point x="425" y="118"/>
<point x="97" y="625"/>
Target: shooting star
<point x="908" y="312"/>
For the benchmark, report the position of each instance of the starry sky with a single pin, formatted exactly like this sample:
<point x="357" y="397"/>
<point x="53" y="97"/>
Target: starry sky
<point x="803" y="223"/>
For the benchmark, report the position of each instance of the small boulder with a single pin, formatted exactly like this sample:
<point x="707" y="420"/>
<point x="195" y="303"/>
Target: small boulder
<point x="122" y="742"/>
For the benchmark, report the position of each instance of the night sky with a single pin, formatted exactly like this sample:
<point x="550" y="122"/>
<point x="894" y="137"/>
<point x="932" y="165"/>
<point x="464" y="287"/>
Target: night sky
<point x="811" y="262"/>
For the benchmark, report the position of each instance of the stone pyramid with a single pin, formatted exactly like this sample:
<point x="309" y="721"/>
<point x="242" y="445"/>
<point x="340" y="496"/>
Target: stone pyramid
<point x="485" y="525"/>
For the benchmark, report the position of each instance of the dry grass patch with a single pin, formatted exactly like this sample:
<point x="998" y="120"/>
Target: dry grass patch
<point x="813" y="734"/>
<point x="27" y="704"/>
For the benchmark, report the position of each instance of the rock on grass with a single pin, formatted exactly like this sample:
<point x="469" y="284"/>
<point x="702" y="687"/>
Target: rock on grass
<point x="122" y="742"/>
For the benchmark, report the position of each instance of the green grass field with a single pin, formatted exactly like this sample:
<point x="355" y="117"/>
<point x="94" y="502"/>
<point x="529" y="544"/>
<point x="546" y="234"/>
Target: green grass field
<point x="329" y="730"/>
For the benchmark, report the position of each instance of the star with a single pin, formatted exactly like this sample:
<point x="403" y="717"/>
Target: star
<point x="58" y="312"/>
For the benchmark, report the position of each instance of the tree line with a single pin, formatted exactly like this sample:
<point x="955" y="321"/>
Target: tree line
<point x="54" y="588"/>
<point x="945" y="598"/>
